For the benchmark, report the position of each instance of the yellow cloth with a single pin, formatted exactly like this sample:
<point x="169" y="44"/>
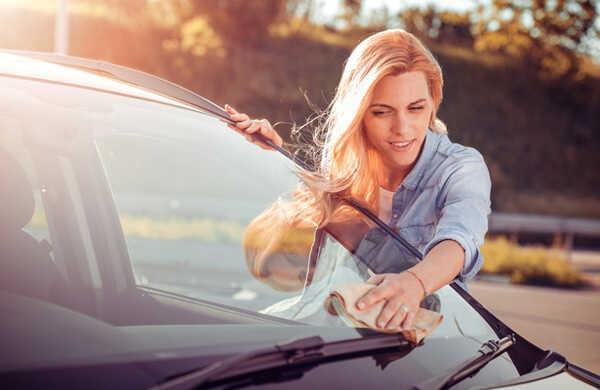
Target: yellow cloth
<point x="342" y="301"/>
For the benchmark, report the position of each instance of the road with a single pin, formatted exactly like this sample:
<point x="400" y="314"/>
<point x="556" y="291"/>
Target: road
<point x="565" y="321"/>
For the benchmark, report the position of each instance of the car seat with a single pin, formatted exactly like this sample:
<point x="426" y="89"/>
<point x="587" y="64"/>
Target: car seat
<point x="26" y="267"/>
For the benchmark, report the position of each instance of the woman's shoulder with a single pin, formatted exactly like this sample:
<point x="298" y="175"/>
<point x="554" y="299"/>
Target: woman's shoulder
<point x="453" y="160"/>
<point x="457" y="154"/>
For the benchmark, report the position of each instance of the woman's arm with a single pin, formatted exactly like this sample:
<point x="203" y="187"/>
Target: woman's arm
<point x="441" y="265"/>
<point x="453" y="251"/>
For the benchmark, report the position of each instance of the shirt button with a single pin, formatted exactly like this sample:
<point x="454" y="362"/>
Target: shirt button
<point x="395" y="215"/>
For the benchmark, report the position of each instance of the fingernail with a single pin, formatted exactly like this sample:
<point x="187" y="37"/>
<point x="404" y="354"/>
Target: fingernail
<point x="380" y="324"/>
<point x="361" y="305"/>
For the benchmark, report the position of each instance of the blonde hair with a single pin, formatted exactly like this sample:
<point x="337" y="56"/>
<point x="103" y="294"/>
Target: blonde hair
<point x="347" y="164"/>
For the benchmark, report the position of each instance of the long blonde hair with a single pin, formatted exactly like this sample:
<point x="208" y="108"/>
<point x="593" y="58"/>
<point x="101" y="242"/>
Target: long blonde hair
<point x="347" y="164"/>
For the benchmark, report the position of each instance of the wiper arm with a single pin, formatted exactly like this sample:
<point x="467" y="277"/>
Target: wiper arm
<point x="487" y="352"/>
<point x="302" y="351"/>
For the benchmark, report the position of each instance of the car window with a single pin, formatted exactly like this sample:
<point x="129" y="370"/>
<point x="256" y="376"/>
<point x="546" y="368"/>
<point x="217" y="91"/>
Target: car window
<point x="30" y="263"/>
<point x="186" y="187"/>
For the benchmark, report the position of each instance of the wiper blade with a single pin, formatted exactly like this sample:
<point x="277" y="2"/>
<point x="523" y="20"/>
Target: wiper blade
<point x="487" y="352"/>
<point x="297" y="352"/>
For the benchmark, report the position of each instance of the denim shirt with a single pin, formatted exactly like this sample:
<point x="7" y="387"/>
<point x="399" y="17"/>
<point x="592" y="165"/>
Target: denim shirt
<point x="446" y="196"/>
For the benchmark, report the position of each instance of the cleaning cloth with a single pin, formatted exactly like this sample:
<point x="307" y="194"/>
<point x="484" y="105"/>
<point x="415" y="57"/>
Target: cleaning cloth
<point x="342" y="302"/>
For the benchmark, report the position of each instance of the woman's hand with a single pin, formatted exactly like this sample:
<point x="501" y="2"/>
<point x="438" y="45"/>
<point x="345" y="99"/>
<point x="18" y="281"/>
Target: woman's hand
<point x="249" y="127"/>
<point x="403" y="294"/>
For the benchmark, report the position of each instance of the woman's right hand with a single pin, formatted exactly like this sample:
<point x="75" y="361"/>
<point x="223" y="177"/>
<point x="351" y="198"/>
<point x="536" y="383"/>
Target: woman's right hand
<point x="250" y="127"/>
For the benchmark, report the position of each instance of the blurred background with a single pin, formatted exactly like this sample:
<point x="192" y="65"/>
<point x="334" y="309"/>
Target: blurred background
<point x="522" y="85"/>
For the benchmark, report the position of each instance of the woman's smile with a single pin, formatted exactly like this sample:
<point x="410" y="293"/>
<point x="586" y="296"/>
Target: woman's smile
<point x="402" y="146"/>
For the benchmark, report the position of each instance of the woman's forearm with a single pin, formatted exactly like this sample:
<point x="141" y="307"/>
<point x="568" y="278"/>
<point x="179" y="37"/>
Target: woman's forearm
<point x="441" y="265"/>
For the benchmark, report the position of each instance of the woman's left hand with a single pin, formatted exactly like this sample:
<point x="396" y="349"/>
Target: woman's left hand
<point x="396" y="290"/>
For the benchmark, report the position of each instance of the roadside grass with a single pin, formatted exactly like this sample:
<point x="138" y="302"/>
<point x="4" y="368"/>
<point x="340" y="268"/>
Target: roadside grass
<point x="174" y="228"/>
<point x="533" y="265"/>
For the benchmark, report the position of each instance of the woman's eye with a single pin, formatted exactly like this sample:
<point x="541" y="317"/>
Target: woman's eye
<point x="416" y="108"/>
<point x="377" y="113"/>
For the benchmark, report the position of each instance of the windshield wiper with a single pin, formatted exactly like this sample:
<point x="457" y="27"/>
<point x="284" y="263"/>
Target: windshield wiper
<point x="304" y="351"/>
<point x="487" y="352"/>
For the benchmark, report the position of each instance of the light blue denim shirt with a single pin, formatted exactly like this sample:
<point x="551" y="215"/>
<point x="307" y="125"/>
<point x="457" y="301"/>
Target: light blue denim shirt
<point x="446" y="196"/>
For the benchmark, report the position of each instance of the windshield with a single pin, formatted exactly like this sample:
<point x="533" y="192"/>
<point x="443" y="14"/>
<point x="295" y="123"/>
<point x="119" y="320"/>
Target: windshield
<point x="201" y="210"/>
<point x="196" y="258"/>
<point x="203" y="214"/>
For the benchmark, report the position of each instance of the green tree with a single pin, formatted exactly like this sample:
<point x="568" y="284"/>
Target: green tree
<point x="550" y="35"/>
<point x="241" y="22"/>
<point x="443" y="26"/>
<point x="350" y="13"/>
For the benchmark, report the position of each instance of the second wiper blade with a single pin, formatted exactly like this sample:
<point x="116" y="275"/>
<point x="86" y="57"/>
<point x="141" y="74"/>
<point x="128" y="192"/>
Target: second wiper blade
<point x="487" y="352"/>
<point x="301" y="351"/>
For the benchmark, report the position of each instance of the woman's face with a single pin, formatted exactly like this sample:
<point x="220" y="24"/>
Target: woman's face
<point x="397" y="118"/>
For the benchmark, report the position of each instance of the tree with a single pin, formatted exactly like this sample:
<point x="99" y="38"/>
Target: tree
<point x="443" y="26"/>
<point x="550" y="35"/>
<point x="241" y="22"/>
<point x="350" y="13"/>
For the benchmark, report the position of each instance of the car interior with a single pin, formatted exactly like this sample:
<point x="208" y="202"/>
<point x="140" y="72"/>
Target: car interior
<point x="27" y="266"/>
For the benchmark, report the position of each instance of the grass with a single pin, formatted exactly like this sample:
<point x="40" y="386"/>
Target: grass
<point x="529" y="265"/>
<point x="174" y="228"/>
<point x="533" y="265"/>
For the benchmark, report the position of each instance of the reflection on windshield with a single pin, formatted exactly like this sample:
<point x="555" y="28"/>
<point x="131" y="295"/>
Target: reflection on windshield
<point x="205" y="223"/>
<point x="296" y="256"/>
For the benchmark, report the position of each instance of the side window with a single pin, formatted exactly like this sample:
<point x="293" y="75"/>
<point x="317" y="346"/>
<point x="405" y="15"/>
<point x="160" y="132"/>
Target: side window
<point x="27" y="260"/>
<point x="185" y="196"/>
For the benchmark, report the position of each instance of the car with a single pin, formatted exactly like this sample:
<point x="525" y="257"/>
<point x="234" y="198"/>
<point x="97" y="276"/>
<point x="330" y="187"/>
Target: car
<point x="132" y="255"/>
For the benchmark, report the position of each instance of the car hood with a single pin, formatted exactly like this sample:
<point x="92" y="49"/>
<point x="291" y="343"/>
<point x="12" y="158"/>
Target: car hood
<point x="153" y="353"/>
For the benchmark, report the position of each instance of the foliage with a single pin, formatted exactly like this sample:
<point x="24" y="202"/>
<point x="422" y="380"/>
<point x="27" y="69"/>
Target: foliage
<point x="549" y="34"/>
<point x="444" y="26"/>
<point x="245" y="22"/>
<point x="552" y="37"/>
<point x="529" y="265"/>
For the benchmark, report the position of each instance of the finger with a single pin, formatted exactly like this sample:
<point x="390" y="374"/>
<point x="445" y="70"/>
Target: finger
<point x="230" y="109"/>
<point x="239" y="117"/>
<point x="253" y="128"/>
<point x="409" y="320"/>
<point x="375" y="295"/>
<point x="390" y="309"/>
<point x="268" y="132"/>
<point x="243" y="125"/>
<point x="396" y="320"/>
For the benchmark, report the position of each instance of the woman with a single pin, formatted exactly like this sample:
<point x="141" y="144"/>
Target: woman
<point x="383" y="144"/>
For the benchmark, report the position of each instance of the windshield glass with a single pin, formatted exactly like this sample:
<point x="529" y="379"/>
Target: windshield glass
<point x="201" y="211"/>
<point x="204" y="260"/>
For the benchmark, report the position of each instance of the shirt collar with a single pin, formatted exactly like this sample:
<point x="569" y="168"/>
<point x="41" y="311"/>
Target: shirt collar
<point x="430" y="146"/>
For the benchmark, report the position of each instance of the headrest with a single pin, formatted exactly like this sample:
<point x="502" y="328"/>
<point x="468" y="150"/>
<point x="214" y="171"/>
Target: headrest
<point x="16" y="194"/>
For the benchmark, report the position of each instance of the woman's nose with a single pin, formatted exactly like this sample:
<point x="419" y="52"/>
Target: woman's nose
<point x="400" y="124"/>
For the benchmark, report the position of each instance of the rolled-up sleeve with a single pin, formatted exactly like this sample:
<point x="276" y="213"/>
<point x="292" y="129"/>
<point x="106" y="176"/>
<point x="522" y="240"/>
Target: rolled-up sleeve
<point x="464" y="204"/>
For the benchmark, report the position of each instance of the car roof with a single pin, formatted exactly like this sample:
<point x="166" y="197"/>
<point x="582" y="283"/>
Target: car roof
<point x="100" y="76"/>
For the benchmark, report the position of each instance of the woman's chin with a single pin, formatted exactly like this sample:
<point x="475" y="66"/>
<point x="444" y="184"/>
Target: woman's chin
<point x="402" y="162"/>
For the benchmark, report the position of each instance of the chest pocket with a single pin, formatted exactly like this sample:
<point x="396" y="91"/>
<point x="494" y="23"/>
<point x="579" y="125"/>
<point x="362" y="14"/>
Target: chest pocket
<point x="418" y="235"/>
